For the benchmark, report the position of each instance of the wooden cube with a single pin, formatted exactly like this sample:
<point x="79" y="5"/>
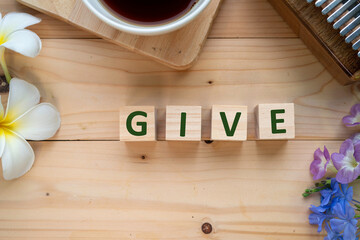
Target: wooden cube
<point x="137" y="123"/>
<point x="183" y="123"/>
<point x="275" y="121"/>
<point x="229" y="123"/>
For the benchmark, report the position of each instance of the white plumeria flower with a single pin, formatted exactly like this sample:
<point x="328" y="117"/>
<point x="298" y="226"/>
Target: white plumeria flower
<point x="24" y="119"/>
<point x="13" y="36"/>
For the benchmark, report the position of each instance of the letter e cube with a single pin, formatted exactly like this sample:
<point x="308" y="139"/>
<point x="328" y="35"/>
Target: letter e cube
<point x="275" y="121"/>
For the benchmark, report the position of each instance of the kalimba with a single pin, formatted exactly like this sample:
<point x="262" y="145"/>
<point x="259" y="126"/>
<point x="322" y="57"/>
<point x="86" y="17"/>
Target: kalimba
<point x="331" y="29"/>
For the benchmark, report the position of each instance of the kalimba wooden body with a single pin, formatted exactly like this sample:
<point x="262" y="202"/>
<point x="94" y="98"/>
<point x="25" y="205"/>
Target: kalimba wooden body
<point x="320" y="36"/>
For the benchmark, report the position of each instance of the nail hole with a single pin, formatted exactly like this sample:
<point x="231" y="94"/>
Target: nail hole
<point x="143" y="157"/>
<point x="47" y="194"/>
<point x="210" y="82"/>
<point x="206" y="228"/>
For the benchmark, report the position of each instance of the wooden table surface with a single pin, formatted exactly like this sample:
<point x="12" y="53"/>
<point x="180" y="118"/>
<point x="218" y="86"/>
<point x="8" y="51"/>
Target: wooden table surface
<point x="85" y="184"/>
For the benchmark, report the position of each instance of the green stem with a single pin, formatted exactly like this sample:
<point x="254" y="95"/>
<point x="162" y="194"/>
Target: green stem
<point x="318" y="187"/>
<point x="3" y="64"/>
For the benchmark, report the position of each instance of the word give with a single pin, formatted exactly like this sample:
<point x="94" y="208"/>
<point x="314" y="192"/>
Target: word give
<point x="228" y="122"/>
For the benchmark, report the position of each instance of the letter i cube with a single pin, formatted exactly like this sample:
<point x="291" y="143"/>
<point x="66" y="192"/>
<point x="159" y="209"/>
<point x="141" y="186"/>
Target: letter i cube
<point x="183" y="123"/>
<point x="275" y="121"/>
<point x="137" y="123"/>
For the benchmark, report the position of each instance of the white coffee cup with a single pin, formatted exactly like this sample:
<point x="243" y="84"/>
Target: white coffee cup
<point x="105" y="15"/>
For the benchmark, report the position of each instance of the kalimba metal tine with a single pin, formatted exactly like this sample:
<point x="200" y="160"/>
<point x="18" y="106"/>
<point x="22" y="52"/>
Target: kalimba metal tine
<point x="356" y="45"/>
<point x="350" y="26"/>
<point x="318" y="3"/>
<point x="350" y="21"/>
<point x="341" y="10"/>
<point x="331" y="6"/>
<point x="347" y="17"/>
<point x="352" y="36"/>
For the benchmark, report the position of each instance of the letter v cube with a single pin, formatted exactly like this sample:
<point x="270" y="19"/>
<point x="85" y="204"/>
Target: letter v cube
<point x="229" y="123"/>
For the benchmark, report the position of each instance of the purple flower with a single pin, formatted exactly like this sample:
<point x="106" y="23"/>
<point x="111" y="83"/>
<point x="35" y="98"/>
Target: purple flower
<point x="347" y="162"/>
<point x="345" y="221"/>
<point x="320" y="163"/>
<point x="353" y="119"/>
<point x="355" y="138"/>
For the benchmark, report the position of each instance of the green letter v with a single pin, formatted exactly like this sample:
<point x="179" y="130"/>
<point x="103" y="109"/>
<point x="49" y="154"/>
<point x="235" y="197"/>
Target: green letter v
<point x="230" y="133"/>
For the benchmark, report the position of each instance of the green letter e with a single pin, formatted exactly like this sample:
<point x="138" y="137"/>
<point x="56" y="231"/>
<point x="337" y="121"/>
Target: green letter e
<point x="275" y="121"/>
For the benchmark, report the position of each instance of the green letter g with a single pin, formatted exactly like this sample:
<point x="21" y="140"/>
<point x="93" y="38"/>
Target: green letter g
<point x="143" y="125"/>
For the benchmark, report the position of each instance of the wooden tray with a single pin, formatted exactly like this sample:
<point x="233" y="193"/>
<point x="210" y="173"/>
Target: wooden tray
<point x="178" y="50"/>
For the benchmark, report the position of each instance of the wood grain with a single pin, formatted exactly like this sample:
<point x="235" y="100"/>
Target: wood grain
<point x="179" y="49"/>
<point x="249" y="19"/>
<point x="237" y="18"/>
<point x="89" y="80"/>
<point x="249" y="190"/>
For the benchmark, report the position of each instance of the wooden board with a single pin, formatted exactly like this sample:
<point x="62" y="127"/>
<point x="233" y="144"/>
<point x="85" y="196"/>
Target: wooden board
<point x="114" y="190"/>
<point x="178" y="50"/>
<point x="229" y="71"/>
<point x="100" y="188"/>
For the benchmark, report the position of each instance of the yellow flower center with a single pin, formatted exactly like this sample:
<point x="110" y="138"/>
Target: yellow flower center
<point x="4" y="126"/>
<point x="2" y="39"/>
<point x="6" y="123"/>
<point x="353" y="163"/>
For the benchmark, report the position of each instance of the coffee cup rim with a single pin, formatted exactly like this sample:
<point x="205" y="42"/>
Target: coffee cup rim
<point x="148" y="29"/>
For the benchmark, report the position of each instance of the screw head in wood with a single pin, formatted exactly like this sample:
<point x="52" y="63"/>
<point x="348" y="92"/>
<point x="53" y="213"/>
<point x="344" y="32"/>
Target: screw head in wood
<point x="206" y="228"/>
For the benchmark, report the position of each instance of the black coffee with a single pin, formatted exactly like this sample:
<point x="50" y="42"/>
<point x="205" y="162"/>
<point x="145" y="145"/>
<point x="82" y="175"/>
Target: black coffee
<point x="149" y="12"/>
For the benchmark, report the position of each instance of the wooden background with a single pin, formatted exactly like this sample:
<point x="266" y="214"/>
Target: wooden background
<point x="85" y="184"/>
